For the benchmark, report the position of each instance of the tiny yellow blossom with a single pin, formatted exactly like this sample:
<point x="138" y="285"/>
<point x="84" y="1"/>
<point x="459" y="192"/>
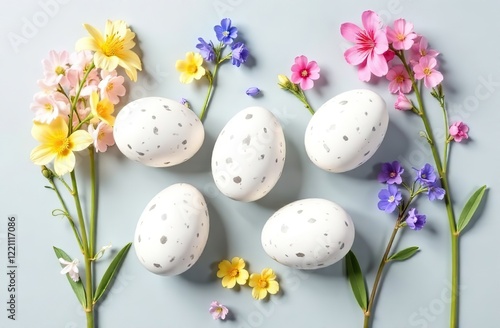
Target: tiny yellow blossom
<point x="190" y="68"/>
<point x="263" y="283"/>
<point x="102" y="109"/>
<point x="232" y="272"/>
<point x="112" y="49"/>
<point x="57" y="145"/>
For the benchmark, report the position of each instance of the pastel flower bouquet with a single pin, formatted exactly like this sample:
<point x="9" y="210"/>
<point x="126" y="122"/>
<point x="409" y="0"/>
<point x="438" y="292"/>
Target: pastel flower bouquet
<point x="75" y="112"/>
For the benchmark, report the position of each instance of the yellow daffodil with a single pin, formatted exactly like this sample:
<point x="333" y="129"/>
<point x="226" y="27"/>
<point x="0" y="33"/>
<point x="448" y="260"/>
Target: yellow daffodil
<point x="190" y="68"/>
<point x="57" y="145"/>
<point x="232" y="272"/>
<point x="102" y="109"/>
<point x="263" y="283"/>
<point x="112" y="49"/>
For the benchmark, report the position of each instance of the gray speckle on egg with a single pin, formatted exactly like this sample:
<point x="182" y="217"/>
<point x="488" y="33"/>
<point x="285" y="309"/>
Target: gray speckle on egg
<point x="345" y="138"/>
<point x="163" y="239"/>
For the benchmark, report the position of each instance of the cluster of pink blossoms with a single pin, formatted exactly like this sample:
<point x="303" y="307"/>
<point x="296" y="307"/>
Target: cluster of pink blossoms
<point x="399" y="54"/>
<point x="68" y="82"/>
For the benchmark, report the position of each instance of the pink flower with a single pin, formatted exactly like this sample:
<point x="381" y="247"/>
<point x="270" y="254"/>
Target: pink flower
<point x="458" y="131"/>
<point x="218" y="310"/>
<point x="48" y="106"/>
<point x="80" y="62"/>
<point x="399" y="79"/>
<point x="425" y="70"/>
<point x="304" y="72"/>
<point x="402" y="35"/>
<point x="420" y="49"/>
<point x="402" y="102"/>
<point x="111" y="86"/>
<point x="102" y="135"/>
<point x="371" y="44"/>
<point x="55" y="68"/>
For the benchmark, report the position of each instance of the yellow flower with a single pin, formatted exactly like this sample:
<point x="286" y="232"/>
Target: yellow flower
<point x="263" y="283"/>
<point x="102" y="109"/>
<point x="113" y="49"/>
<point x="57" y="145"/>
<point x="232" y="272"/>
<point x="190" y="68"/>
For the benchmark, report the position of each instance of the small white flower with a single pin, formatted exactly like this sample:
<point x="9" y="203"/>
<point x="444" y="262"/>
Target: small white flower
<point x="100" y="253"/>
<point x="70" y="268"/>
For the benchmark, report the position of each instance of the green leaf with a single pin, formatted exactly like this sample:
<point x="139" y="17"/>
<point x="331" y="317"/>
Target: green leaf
<point x="470" y="208"/>
<point x="404" y="254"/>
<point x="77" y="286"/>
<point x="357" y="280"/>
<point x="111" y="272"/>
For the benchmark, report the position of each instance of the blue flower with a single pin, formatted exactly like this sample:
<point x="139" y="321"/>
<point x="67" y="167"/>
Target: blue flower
<point x="426" y="175"/>
<point x="414" y="220"/>
<point x="253" y="91"/>
<point x="225" y="32"/>
<point x="434" y="191"/>
<point x="389" y="198"/>
<point x="391" y="173"/>
<point x="207" y="50"/>
<point x="239" y="54"/>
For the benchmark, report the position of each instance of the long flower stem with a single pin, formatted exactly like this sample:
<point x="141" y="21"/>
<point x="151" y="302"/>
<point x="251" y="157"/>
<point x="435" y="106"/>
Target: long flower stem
<point x="455" y="252"/>
<point x="93" y="204"/>
<point x="380" y="271"/>
<point x="89" y="308"/>
<point x="208" y="97"/>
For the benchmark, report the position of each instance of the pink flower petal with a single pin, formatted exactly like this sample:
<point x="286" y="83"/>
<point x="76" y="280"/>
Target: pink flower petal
<point x="355" y="55"/>
<point x="370" y="20"/>
<point x="306" y="84"/>
<point x="377" y="64"/>
<point x="350" y="32"/>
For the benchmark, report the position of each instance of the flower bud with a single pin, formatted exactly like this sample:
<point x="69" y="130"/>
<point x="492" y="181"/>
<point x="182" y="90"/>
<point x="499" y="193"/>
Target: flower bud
<point x="47" y="173"/>
<point x="284" y="82"/>
<point x="253" y="91"/>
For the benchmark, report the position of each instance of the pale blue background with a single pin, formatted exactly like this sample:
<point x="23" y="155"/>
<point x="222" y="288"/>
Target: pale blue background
<point x="465" y="33"/>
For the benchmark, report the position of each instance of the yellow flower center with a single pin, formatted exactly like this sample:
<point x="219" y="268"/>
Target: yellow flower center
<point x="262" y="283"/>
<point x="109" y="87"/>
<point x="103" y="109"/>
<point x="60" y="70"/>
<point x="62" y="146"/>
<point x="304" y="73"/>
<point x="234" y="272"/>
<point x="113" y="45"/>
<point x="400" y="79"/>
<point x="48" y="107"/>
<point x="401" y="37"/>
<point x="192" y="68"/>
<point x="427" y="71"/>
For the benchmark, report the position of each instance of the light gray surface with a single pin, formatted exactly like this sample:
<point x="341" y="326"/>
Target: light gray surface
<point x="275" y="32"/>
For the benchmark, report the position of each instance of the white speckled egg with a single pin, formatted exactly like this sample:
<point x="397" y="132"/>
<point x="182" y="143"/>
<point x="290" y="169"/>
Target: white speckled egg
<point x="310" y="234"/>
<point x="249" y="155"/>
<point x="158" y="132"/>
<point x="346" y="130"/>
<point x="172" y="230"/>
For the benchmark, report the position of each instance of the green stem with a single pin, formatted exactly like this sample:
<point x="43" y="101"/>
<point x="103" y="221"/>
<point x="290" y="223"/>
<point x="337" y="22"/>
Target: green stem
<point x="378" y="277"/>
<point x="208" y="97"/>
<point x="93" y="204"/>
<point x="77" y="95"/>
<point x="303" y="99"/>
<point x="441" y="168"/>
<point x="89" y="308"/>
<point x="68" y="216"/>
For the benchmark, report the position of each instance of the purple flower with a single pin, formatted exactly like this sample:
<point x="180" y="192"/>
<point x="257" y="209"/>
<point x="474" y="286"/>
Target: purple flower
<point x="239" y="54"/>
<point x="426" y="175"/>
<point x="253" y="91"/>
<point x="185" y="102"/>
<point x="389" y="198"/>
<point x="434" y="191"/>
<point x="207" y="50"/>
<point x="414" y="220"/>
<point x="391" y="173"/>
<point x="218" y="311"/>
<point x="225" y="32"/>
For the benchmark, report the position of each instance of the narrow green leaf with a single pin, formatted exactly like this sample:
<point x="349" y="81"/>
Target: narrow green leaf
<point x="404" y="254"/>
<point x="470" y="208"/>
<point x="357" y="280"/>
<point x="111" y="272"/>
<point x="76" y="286"/>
